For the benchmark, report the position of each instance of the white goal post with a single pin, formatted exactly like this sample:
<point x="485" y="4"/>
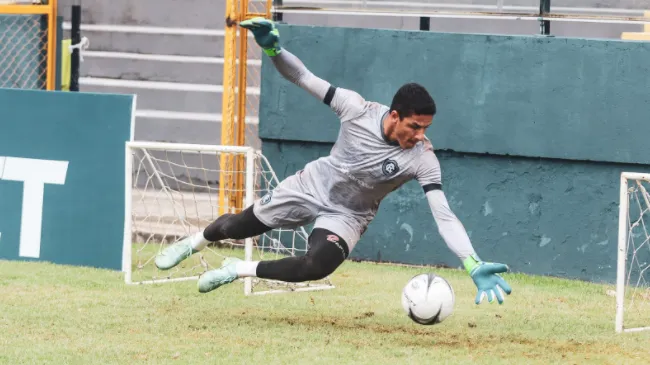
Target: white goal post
<point x="633" y="262"/>
<point x="172" y="191"/>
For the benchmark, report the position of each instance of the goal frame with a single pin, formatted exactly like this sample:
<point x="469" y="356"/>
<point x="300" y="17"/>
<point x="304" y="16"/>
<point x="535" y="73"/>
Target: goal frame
<point x="249" y="199"/>
<point x="128" y="184"/>
<point x="621" y="265"/>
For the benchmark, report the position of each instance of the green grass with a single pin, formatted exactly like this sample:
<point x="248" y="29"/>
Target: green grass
<point x="55" y="314"/>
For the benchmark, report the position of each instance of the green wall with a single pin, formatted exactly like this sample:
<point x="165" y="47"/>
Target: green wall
<point x="69" y="149"/>
<point x="532" y="134"/>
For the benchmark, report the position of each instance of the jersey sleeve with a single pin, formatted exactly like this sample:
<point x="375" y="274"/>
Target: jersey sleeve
<point x="347" y="104"/>
<point x="428" y="172"/>
<point x="449" y="226"/>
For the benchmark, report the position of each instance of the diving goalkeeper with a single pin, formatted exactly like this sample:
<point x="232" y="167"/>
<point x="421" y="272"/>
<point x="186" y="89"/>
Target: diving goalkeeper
<point x="379" y="148"/>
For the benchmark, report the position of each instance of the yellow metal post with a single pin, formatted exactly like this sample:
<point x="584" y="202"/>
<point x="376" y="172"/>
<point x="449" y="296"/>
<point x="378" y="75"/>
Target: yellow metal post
<point x="228" y="103"/>
<point x="51" y="45"/>
<point x="238" y="197"/>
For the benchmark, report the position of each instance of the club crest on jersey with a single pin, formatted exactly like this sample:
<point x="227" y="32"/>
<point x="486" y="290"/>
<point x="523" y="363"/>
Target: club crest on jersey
<point x="266" y="198"/>
<point x="390" y="167"/>
<point x="332" y="238"/>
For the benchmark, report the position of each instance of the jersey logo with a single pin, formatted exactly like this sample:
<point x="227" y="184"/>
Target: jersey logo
<point x="266" y="198"/>
<point x="390" y="167"/>
<point x="332" y="238"/>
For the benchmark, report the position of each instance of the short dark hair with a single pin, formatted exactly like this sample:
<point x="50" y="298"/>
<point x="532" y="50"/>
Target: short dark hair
<point x="413" y="99"/>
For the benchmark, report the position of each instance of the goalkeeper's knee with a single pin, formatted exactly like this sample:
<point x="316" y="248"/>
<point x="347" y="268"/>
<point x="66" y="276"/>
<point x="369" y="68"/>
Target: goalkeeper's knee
<point x="235" y="226"/>
<point x="327" y="252"/>
<point x="309" y="269"/>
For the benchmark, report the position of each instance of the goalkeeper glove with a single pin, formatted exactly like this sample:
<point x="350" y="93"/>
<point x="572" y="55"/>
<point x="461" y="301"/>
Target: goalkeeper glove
<point x="487" y="279"/>
<point x="266" y="34"/>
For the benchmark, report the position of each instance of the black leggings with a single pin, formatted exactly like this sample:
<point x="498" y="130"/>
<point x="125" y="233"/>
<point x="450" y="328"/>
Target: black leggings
<point x="326" y="250"/>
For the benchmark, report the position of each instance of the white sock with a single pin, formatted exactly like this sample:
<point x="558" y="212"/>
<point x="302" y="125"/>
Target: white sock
<point x="198" y="242"/>
<point x="246" y="268"/>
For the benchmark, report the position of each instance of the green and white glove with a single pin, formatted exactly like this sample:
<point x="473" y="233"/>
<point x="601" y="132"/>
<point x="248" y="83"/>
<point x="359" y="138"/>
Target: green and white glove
<point x="266" y="34"/>
<point x="487" y="279"/>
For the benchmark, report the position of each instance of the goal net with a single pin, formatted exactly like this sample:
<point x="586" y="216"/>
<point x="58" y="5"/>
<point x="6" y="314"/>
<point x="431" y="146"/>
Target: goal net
<point x="173" y="191"/>
<point x="633" y="267"/>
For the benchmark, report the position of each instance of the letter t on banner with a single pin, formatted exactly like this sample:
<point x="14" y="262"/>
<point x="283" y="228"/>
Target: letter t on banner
<point x="34" y="174"/>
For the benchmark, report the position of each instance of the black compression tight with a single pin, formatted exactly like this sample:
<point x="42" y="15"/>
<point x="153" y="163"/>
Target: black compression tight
<point x="236" y="226"/>
<point x="326" y="251"/>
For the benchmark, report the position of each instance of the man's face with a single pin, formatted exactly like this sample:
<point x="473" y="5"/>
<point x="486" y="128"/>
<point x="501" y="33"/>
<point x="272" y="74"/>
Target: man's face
<point x="410" y="130"/>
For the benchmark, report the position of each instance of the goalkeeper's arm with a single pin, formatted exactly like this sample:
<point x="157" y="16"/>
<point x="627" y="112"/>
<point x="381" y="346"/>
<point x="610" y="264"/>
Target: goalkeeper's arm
<point x="450" y="228"/>
<point x="484" y="274"/>
<point x="292" y="69"/>
<point x="345" y="103"/>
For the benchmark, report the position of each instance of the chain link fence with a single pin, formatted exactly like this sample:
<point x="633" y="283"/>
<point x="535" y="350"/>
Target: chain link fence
<point x="23" y="51"/>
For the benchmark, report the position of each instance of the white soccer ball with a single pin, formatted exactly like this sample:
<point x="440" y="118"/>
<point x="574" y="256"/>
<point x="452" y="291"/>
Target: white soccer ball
<point x="428" y="299"/>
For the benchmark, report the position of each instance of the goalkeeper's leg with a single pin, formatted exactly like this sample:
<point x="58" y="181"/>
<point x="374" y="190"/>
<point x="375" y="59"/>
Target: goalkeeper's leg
<point x="235" y="226"/>
<point x="326" y="252"/>
<point x="287" y="206"/>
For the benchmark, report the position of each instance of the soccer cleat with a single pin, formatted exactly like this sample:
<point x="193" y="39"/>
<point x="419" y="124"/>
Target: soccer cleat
<point x="174" y="254"/>
<point x="213" y="279"/>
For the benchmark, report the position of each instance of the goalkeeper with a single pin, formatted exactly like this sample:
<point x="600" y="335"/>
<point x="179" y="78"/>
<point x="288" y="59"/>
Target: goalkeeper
<point x="379" y="148"/>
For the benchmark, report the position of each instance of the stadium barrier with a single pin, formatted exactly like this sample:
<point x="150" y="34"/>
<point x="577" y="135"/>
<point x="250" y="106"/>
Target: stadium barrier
<point x="62" y="176"/>
<point x="532" y="134"/>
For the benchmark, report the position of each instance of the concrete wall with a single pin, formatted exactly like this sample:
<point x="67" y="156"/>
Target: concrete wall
<point x="209" y="14"/>
<point x="532" y="134"/>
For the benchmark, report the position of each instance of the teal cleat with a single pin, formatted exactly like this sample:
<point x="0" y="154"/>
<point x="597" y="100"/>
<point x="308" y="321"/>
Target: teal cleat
<point x="174" y="254"/>
<point x="213" y="279"/>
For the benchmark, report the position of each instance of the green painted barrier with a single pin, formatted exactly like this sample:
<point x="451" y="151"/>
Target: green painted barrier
<point x="532" y="134"/>
<point x="62" y="176"/>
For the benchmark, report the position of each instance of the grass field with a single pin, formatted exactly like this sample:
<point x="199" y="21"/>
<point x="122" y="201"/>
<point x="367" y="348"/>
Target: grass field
<point x="68" y="315"/>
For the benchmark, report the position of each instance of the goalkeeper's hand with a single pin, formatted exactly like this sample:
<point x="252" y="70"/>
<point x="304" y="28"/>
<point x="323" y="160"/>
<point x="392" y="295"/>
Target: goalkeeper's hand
<point x="266" y="34"/>
<point x="487" y="279"/>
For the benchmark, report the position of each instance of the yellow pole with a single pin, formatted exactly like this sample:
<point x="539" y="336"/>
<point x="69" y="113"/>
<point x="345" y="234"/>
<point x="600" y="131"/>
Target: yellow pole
<point x="51" y="45"/>
<point x="228" y="101"/>
<point x="6" y="9"/>
<point x="238" y="200"/>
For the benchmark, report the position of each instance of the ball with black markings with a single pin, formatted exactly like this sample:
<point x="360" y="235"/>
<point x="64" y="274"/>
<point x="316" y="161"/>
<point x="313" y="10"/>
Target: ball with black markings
<point x="428" y="299"/>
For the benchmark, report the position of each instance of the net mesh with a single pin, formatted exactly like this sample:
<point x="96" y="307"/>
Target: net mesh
<point x="637" y="267"/>
<point x="23" y="51"/>
<point x="175" y="193"/>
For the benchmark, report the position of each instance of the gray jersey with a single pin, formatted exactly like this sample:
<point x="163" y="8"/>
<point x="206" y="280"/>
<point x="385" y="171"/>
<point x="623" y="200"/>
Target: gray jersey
<point x="363" y="167"/>
<point x="342" y="192"/>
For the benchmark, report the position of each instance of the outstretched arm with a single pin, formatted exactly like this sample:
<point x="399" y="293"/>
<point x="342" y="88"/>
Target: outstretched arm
<point x="345" y="103"/>
<point x="292" y="69"/>
<point x="450" y="228"/>
<point x="484" y="274"/>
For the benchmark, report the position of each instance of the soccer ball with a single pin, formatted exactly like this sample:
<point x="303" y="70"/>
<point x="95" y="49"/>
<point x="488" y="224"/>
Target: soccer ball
<point x="428" y="299"/>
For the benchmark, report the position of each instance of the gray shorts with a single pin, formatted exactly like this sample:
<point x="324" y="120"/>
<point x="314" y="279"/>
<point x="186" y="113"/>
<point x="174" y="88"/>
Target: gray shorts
<point x="290" y="205"/>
